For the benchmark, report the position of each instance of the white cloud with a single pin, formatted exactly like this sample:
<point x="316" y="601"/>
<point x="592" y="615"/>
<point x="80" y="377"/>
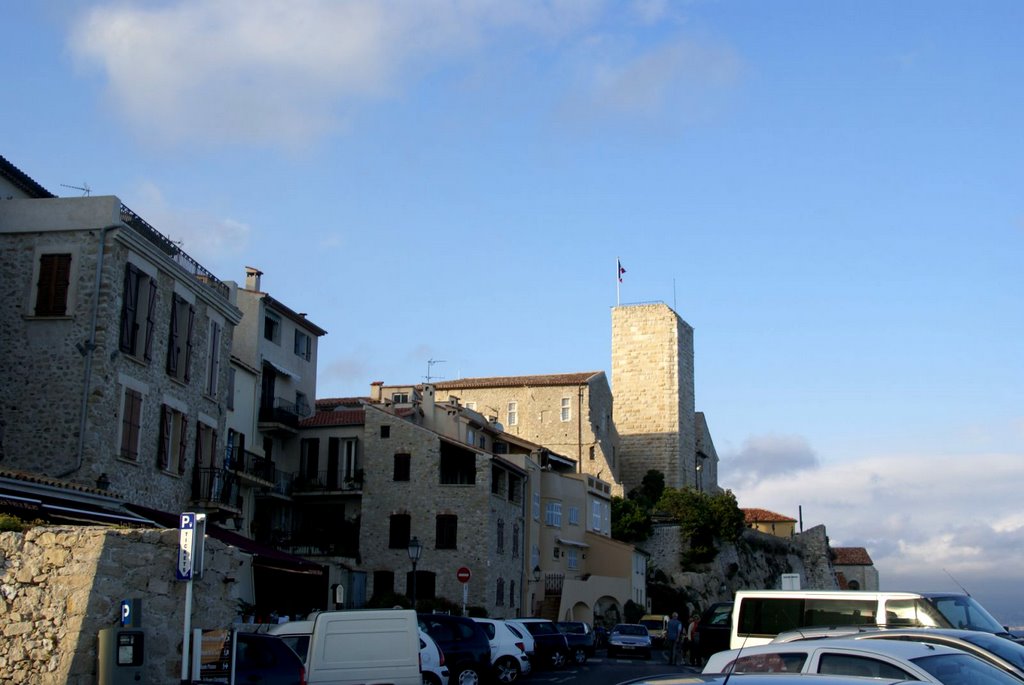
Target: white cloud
<point x="923" y="518"/>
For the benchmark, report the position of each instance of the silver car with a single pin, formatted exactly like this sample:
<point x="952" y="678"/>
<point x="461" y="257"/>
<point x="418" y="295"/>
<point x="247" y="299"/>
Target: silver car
<point x="629" y="638"/>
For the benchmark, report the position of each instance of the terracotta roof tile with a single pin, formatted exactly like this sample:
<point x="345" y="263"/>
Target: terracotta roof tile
<point x="331" y="403"/>
<point x="519" y="381"/>
<point x="339" y="417"/>
<point x="851" y="556"/>
<point x="764" y="516"/>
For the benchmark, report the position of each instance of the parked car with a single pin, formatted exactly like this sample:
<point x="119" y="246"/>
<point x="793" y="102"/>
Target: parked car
<point x="432" y="667"/>
<point x="629" y="638"/>
<point x="657" y="627"/>
<point x="713" y="630"/>
<point x="757" y="679"/>
<point x="580" y="637"/>
<point x="520" y="631"/>
<point x="509" y="660"/>
<point x="1000" y="652"/>
<point x="551" y="649"/>
<point x="266" y="660"/>
<point x="891" y="659"/>
<point x="467" y="652"/>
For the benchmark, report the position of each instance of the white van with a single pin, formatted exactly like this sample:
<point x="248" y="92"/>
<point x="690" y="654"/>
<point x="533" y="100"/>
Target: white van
<point x="354" y="647"/>
<point x="760" y="615"/>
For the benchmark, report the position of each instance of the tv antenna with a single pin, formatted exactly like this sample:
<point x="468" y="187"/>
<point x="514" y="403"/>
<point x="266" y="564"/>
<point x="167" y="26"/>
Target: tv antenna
<point x="430" y="367"/>
<point x="84" y="188"/>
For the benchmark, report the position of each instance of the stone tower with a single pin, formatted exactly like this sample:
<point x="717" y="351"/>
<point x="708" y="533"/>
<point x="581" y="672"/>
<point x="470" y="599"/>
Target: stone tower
<point x="652" y="382"/>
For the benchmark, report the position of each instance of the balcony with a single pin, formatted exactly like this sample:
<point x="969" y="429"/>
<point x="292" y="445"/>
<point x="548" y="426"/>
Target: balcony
<point x="217" y="489"/>
<point x="282" y="486"/>
<point x="251" y="469"/>
<point x="280" y="418"/>
<point x="328" y="482"/>
<point x="338" y="541"/>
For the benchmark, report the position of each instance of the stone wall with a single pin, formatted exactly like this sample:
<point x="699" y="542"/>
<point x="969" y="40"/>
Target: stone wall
<point x="756" y="562"/>
<point x="60" y="585"/>
<point x="653" y="385"/>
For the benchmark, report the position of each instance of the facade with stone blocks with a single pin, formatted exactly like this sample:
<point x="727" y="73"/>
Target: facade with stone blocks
<point x="652" y="377"/>
<point x="116" y="345"/>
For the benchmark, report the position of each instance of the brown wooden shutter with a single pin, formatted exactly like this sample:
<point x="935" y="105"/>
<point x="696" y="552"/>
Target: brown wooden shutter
<point x="182" y="443"/>
<point x="129" y="305"/>
<point x="188" y="342"/>
<point x="172" y="344"/>
<point x="150" y="320"/>
<point x="52" y="287"/>
<point x="163" y="446"/>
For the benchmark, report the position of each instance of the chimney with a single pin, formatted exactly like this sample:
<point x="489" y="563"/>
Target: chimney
<point x="252" y="278"/>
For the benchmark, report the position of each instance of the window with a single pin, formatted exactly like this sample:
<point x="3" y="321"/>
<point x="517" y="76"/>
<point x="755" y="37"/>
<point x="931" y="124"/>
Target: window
<point x="536" y="506"/>
<point x="401" y="467"/>
<point x="383" y="583"/>
<point x="499" y="593"/>
<point x="574" y="516"/>
<point x="592" y="452"/>
<point x="458" y="468"/>
<point x="170" y="452"/>
<point x="309" y="459"/>
<point x="131" y="421"/>
<point x="303" y="345"/>
<point x="553" y="514"/>
<point x="848" y="664"/>
<point x="573" y="558"/>
<point x="179" y="346"/>
<point x="515" y="540"/>
<point x="398" y="531"/>
<point x="53" y="284"/>
<point x="272" y="327"/>
<point x="138" y="312"/>
<point x="213" y="360"/>
<point x="498" y="480"/>
<point x="470" y="436"/>
<point x="566" y="408"/>
<point x="501" y="536"/>
<point x="596" y="515"/>
<point x="447" y="531"/>
<point x="385" y="431"/>
<point x="400" y="397"/>
<point x="556" y="553"/>
<point x="301" y="403"/>
<point x="349" y="470"/>
<point x="206" y="445"/>
<point x="513" y="413"/>
<point x="511" y="594"/>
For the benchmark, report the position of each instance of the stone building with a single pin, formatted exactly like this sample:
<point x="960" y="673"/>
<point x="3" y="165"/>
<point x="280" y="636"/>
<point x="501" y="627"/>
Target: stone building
<point x="854" y="569"/>
<point x="652" y="376"/>
<point x="764" y="521"/>
<point x="115" y="351"/>
<point x="569" y="413"/>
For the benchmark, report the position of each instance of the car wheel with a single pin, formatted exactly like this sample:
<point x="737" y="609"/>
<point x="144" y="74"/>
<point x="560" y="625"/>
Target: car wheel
<point x="579" y="656"/>
<point x="506" y="670"/>
<point x="469" y="676"/>
<point x="558" y="659"/>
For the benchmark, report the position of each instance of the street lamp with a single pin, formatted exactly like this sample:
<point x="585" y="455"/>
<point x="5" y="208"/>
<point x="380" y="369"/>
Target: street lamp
<point x="415" y="551"/>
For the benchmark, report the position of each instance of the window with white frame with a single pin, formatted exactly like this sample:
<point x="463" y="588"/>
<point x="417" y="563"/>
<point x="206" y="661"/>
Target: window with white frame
<point x="566" y="408"/>
<point x="574" y="516"/>
<point x="596" y="515"/>
<point x="138" y="313"/>
<point x="573" y="558"/>
<point x="553" y="514"/>
<point x="303" y="346"/>
<point x="513" y="413"/>
<point x="170" y="452"/>
<point x="131" y="423"/>
<point x="213" y="362"/>
<point x="179" y="343"/>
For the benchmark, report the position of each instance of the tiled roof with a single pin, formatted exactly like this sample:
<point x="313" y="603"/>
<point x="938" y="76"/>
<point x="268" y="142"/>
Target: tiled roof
<point x="764" y="516"/>
<point x="331" y="403"/>
<point x="519" y="381"/>
<point x="22" y="180"/>
<point x="339" y="417"/>
<point x="38" y="479"/>
<point x="851" y="556"/>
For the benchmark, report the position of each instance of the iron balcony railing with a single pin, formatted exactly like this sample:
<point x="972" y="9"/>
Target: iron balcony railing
<point x="331" y="480"/>
<point x="216" y="485"/>
<point x="174" y="252"/>
<point x="281" y="411"/>
<point x="243" y="461"/>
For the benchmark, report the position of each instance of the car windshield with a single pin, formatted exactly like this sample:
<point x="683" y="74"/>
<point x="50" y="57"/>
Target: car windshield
<point x="652" y="623"/>
<point x="963" y="612"/>
<point x="626" y="629"/>
<point x="964" y="669"/>
<point x="575" y="628"/>
<point x="1006" y="649"/>
<point x="541" y="628"/>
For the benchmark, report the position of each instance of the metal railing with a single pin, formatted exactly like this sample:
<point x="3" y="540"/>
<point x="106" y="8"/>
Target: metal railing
<point x="332" y="480"/>
<point x="280" y="411"/>
<point x="215" y="485"/>
<point x="174" y="252"/>
<point x="251" y="464"/>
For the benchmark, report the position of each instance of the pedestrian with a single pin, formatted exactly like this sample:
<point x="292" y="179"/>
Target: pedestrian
<point x="673" y="633"/>
<point x="693" y="641"/>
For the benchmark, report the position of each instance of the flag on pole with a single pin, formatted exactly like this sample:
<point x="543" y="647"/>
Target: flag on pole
<point x="621" y="270"/>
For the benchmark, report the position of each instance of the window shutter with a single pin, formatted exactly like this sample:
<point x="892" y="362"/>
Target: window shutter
<point x="188" y="342"/>
<point x="181" y="445"/>
<point x="172" y="344"/>
<point x="214" y="362"/>
<point x="150" y="321"/>
<point x="163" y="445"/>
<point x="52" y="287"/>
<point x="129" y="304"/>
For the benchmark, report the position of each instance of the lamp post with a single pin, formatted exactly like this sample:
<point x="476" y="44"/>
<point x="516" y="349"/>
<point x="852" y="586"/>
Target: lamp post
<point x="536" y="579"/>
<point x="415" y="551"/>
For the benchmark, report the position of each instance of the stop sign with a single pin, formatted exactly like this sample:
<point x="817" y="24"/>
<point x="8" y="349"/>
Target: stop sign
<point x="463" y="574"/>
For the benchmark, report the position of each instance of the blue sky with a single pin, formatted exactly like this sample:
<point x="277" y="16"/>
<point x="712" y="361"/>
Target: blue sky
<point x="830" y="193"/>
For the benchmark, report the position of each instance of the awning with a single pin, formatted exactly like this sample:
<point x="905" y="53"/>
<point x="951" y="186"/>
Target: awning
<point x="573" y="543"/>
<point x="281" y="370"/>
<point x="29" y="501"/>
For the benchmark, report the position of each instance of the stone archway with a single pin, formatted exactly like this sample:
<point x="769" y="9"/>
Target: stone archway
<point x="580" y="611"/>
<point x="607" y="612"/>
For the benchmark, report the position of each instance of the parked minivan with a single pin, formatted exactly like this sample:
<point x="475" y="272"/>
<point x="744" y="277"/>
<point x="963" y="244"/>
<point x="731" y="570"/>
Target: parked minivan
<point x="759" y="615"/>
<point x="361" y="646"/>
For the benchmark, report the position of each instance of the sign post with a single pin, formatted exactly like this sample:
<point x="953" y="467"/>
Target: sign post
<point x="463" y="575"/>
<point x="191" y="531"/>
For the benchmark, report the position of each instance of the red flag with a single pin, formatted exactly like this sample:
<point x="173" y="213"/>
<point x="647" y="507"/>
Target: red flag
<point x="621" y="271"/>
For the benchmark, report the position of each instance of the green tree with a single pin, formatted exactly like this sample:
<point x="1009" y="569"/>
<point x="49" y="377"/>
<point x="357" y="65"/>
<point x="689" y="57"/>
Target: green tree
<point x="703" y="518"/>
<point x="631" y="522"/>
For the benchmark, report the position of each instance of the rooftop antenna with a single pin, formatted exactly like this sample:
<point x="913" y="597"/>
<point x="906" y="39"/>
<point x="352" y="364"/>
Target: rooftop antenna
<point x="84" y="188"/>
<point x="430" y="367"/>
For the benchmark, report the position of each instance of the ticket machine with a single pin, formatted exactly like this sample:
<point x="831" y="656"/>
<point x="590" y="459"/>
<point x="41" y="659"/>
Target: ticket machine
<point x="121" y="654"/>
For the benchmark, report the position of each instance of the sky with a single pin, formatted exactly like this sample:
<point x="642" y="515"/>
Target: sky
<point x="828" y="192"/>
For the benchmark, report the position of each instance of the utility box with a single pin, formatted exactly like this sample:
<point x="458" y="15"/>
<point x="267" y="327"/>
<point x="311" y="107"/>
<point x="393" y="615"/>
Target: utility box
<point x="121" y="656"/>
<point x="790" y="581"/>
